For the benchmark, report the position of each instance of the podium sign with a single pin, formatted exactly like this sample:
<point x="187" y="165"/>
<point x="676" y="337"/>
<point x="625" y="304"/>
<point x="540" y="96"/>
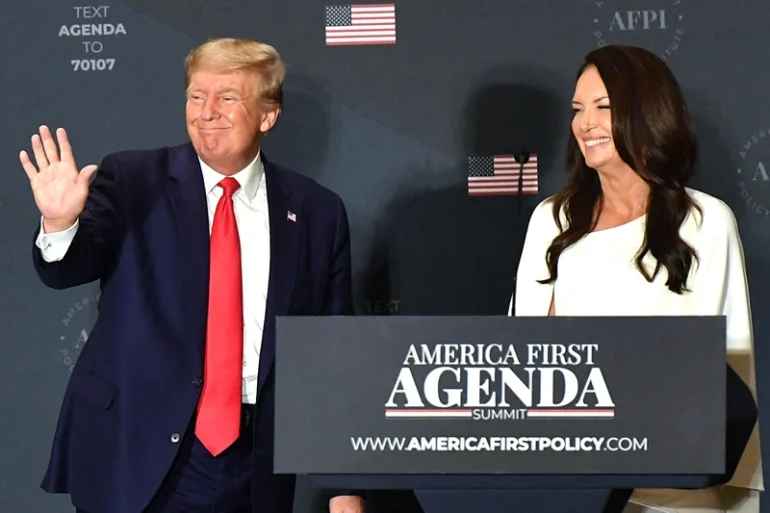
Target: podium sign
<point x="500" y="395"/>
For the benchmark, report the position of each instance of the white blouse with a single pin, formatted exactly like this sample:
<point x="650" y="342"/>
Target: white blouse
<point x="597" y="276"/>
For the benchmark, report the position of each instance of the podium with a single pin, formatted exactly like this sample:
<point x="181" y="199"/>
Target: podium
<point x="509" y="415"/>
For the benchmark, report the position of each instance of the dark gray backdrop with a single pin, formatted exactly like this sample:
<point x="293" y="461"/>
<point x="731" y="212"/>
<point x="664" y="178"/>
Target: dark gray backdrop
<point x="390" y="128"/>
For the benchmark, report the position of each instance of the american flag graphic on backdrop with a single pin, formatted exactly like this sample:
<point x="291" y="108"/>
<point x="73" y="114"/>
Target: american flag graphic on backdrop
<point x="361" y="24"/>
<point x="498" y="175"/>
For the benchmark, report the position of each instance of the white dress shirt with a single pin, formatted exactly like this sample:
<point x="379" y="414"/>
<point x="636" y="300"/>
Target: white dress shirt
<point x="251" y="214"/>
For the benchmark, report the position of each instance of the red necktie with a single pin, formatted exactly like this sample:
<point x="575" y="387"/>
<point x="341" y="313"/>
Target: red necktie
<point x="219" y="410"/>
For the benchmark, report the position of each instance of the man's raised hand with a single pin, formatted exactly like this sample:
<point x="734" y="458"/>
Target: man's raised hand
<point x="60" y="190"/>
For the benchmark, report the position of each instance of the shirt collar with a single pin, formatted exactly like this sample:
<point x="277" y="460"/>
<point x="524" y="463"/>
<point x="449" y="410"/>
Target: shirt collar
<point x="249" y="177"/>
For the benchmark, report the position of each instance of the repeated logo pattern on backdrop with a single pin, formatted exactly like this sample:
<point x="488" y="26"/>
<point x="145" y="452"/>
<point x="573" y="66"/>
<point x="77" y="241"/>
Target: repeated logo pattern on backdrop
<point x="76" y="324"/>
<point x="639" y="23"/>
<point x="410" y="110"/>
<point x="753" y="179"/>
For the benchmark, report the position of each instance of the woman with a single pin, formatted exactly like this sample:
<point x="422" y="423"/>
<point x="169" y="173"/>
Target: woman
<point x="627" y="237"/>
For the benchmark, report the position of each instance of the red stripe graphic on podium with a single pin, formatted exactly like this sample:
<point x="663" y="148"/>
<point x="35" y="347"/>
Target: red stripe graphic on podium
<point x="574" y="414"/>
<point x="424" y="413"/>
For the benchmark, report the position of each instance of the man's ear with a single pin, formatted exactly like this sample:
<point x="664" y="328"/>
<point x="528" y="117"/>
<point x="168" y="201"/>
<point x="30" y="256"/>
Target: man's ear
<point x="269" y="119"/>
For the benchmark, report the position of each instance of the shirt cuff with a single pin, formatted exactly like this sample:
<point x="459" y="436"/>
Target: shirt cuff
<point x="53" y="246"/>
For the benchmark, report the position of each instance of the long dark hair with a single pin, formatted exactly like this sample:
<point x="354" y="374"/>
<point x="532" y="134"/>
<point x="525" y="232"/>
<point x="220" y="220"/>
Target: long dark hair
<point x="653" y="134"/>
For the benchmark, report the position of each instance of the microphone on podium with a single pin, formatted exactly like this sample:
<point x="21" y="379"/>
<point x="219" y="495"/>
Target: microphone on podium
<point x="521" y="157"/>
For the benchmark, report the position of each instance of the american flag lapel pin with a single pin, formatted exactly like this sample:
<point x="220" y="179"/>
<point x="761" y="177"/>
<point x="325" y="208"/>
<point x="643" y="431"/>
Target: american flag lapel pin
<point x="291" y="216"/>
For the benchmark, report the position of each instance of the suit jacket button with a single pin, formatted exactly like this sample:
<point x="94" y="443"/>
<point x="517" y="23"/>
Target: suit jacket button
<point x="197" y="382"/>
<point x="175" y="438"/>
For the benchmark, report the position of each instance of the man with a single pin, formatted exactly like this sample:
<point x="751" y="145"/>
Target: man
<point x="197" y="248"/>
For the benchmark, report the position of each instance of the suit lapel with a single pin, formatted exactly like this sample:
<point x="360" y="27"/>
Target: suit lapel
<point x="188" y="201"/>
<point x="284" y="255"/>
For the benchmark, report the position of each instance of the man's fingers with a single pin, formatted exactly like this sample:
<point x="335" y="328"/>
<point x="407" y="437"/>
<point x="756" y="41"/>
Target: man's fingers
<point x="87" y="172"/>
<point x="51" y="151"/>
<point x="28" y="166"/>
<point x="65" y="147"/>
<point x="37" y="149"/>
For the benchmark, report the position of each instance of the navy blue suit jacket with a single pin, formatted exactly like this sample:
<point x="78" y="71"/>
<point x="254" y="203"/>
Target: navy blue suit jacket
<point x="144" y="235"/>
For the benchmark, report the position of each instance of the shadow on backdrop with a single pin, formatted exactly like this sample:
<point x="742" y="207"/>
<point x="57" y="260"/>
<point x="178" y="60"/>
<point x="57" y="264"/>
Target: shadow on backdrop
<point x="457" y="255"/>
<point x="374" y="293"/>
<point x="300" y="138"/>
<point x="717" y="162"/>
<point x="301" y="142"/>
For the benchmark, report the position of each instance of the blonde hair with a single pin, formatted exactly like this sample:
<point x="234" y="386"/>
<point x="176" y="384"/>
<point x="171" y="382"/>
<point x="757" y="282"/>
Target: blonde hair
<point x="231" y="54"/>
